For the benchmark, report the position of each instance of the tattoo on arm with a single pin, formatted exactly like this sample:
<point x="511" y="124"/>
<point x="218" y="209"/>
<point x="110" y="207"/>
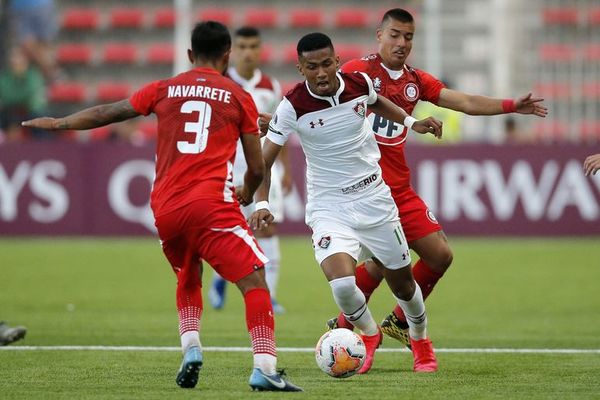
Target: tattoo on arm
<point x="99" y="116"/>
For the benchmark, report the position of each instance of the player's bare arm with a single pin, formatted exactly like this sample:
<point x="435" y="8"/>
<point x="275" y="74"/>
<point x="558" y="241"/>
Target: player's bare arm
<point x="591" y="165"/>
<point x="483" y="105"/>
<point x="89" y="118"/>
<point x="389" y="110"/>
<point x="263" y="123"/>
<point x="256" y="168"/>
<point x="262" y="216"/>
<point x="286" y="179"/>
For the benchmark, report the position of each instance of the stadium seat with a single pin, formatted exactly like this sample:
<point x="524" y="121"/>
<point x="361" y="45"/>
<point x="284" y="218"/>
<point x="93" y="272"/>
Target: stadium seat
<point x="591" y="52"/>
<point x="222" y="15"/>
<point x="74" y="54"/>
<point x="67" y="92"/>
<point x="290" y="54"/>
<point x="560" y="16"/>
<point x="262" y="17"/>
<point x="589" y="131"/>
<point x="120" y="53"/>
<point x="126" y="17"/>
<point x="553" y="90"/>
<point x="148" y="128"/>
<point x="593" y="16"/>
<point x="591" y="90"/>
<point x="98" y="134"/>
<point x="266" y="54"/>
<point x="164" y="18"/>
<point x="305" y="18"/>
<point x="551" y="131"/>
<point x="80" y="19"/>
<point x="351" y="18"/>
<point x="112" y="91"/>
<point x="348" y="52"/>
<point x="286" y="86"/>
<point x="557" y="52"/>
<point x="160" y="53"/>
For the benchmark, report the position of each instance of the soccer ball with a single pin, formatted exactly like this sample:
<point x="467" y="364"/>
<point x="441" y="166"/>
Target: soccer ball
<point x="340" y="353"/>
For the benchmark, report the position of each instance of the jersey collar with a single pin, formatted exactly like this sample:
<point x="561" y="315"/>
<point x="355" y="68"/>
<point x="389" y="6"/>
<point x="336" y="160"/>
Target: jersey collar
<point x="333" y="100"/>
<point x="240" y="80"/>
<point x="394" y="74"/>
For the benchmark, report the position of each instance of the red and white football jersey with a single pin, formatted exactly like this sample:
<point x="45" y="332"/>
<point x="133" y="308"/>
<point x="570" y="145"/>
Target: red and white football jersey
<point x="404" y="88"/>
<point x="201" y="115"/>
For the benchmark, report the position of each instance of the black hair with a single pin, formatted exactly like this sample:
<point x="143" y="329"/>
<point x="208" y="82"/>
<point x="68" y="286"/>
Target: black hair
<point x="210" y="40"/>
<point x="397" y="14"/>
<point x="247" y="32"/>
<point x="313" y="41"/>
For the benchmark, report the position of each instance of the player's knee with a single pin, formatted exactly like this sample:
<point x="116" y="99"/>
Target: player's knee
<point x="441" y="260"/>
<point x="343" y="288"/>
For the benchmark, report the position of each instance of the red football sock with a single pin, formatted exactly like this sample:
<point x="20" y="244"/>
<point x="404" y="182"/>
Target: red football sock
<point x="367" y="284"/>
<point x="189" y="303"/>
<point x="260" y="321"/>
<point x="426" y="278"/>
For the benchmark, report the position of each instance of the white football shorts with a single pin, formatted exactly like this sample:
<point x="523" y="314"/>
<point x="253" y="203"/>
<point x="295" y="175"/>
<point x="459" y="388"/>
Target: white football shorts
<point x="361" y="228"/>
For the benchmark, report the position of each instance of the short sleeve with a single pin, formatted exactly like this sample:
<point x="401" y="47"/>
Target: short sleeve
<point x="283" y="123"/>
<point x="144" y="100"/>
<point x="356" y="65"/>
<point x="372" y="93"/>
<point x="430" y="87"/>
<point x="248" y="121"/>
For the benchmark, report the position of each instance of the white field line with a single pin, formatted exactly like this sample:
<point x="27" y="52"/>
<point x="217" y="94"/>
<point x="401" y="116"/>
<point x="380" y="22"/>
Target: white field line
<point x="295" y="349"/>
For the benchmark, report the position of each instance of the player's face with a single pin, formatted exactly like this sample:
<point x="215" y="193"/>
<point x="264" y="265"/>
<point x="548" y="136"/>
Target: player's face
<point x="395" y="42"/>
<point x="319" y="68"/>
<point x="246" y="52"/>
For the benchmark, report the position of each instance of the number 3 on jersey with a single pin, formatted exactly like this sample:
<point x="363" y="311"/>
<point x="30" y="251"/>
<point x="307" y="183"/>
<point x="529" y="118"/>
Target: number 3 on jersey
<point x="199" y="128"/>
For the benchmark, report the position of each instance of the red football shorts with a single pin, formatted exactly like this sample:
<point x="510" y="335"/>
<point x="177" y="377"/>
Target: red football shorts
<point x="416" y="219"/>
<point x="213" y="231"/>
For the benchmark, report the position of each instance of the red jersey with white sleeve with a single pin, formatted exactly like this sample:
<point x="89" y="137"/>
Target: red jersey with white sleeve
<point x="404" y="88"/>
<point x="201" y="115"/>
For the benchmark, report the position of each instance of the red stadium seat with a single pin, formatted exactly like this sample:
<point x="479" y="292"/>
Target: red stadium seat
<point x="591" y="90"/>
<point x="160" y="53"/>
<point x="593" y="16"/>
<point x="290" y="54"/>
<point x="286" y="86"/>
<point x="262" y="17"/>
<point x="551" y="130"/>
<point x="557" y="52"/>
<point x="553" y="90"/>
<point x="348" y="52"/>
<point x="589" y="130"/>
<point x="80" y="19"/>
<point x="306" y="18"/>
<point x="120" y="53"/>
<point x="101" y="133"/>
<point x="352" y="18"/>
<point x="222" y="15"/>
<point x="112" y="91"/>
<point x="164" y="18"/>
<point x="148" y="128"/>
<point x="74" y="54"/>
<point x="591" y="52"/>
<point x="67" y="92"/>
<point x="126" y="17"/>
<point x="266" y="53"/>
<point x="560" y="16"/>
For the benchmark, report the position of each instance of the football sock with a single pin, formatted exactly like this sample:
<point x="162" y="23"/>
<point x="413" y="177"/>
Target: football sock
<point x="353" y="304"/>
<point x="367" y="284"/>
<point x="414" y="309"/>
<point x="270" y="247"/>
<point x="189" y="309"/>
<point x="261" y="327"/>
<point x="426" y="278"/>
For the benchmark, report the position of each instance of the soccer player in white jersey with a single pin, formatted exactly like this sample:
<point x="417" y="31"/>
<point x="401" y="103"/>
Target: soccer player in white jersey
<point x="349" y="209"/>
<point x="266" y="93"/>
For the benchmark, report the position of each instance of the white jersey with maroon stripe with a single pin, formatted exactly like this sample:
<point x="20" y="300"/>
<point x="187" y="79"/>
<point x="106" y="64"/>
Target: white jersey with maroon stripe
<point x="341" y="152"/>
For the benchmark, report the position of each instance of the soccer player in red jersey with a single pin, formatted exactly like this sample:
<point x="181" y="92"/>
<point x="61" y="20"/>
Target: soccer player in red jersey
<point x="405" y="86"/>
<point x="201" y="116"/>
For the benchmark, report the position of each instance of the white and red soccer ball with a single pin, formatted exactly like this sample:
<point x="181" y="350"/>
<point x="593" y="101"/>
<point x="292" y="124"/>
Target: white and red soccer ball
<point x="340" y="353"/>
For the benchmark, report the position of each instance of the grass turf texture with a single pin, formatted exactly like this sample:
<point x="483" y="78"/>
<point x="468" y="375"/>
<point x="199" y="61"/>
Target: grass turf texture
<point x="499" y="293"/>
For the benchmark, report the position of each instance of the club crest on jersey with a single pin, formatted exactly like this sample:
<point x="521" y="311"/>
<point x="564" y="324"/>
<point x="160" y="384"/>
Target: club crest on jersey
<point x="377" y="84"/>
<point x="411" y="92"/>
<point x="313" y="124"/>
<point x="360" y="108"/>
<point x="324" y="242"/>
<point x="431" y="217"/>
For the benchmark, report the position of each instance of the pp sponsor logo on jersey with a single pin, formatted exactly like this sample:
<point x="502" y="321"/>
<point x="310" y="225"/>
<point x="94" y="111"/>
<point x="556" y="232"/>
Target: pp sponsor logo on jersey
<point x="324" y="242"/>
<point x="360" y="108"/>
<point x="411" y="92"/>
<point x="359" y="186"/>
<point x="431" y="217"/>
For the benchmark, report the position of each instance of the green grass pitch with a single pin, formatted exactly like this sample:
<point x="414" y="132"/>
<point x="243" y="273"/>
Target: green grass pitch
<point x="499" y="293"/>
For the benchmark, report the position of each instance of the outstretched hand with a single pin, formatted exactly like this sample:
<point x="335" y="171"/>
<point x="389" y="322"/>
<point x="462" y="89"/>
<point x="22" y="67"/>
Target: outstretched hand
<point x="46" y="123"/>
<point x="429" y="125"/>
<point x="530" y="105"/>
<point x="591" y="165"/>
<point x="260" y="219"/>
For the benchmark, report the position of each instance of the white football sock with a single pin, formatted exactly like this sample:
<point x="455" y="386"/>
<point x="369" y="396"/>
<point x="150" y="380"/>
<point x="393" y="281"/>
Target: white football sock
<point x="353" y="304"/>
<point x="414" y="310"/>
<point x="190" y="338"/>
<point x="266" y="363"/>
<point x="270" y="247"/>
